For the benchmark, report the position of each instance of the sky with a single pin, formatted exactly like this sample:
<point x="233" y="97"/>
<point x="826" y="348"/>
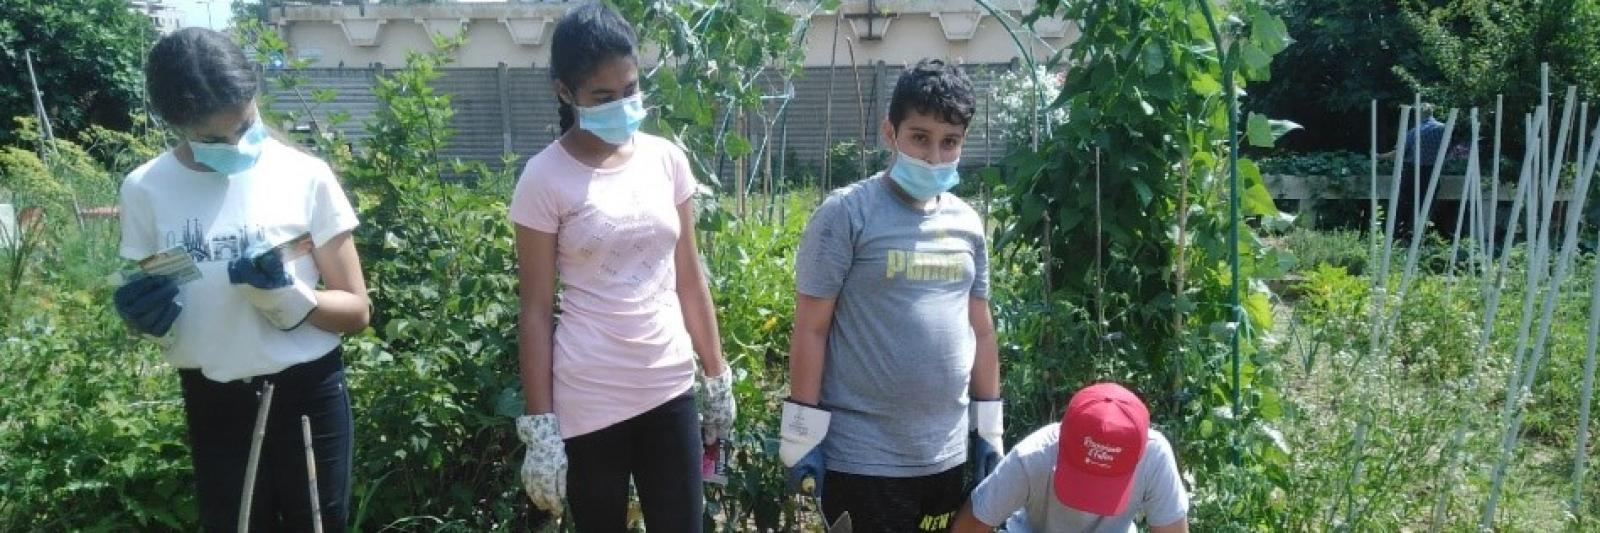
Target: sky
<point x="194" y="12"/>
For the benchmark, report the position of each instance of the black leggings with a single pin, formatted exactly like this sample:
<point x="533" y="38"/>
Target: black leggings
<point x="221" y="418"/>
<point x="661" y="450"/>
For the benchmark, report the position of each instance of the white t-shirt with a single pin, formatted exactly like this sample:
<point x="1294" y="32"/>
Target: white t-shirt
<point x="216" y="218"/>
<point x="1021" y="491"/>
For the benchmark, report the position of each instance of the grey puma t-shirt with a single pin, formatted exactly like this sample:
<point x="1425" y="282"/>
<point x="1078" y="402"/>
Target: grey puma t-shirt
<point x="901" y="347"/>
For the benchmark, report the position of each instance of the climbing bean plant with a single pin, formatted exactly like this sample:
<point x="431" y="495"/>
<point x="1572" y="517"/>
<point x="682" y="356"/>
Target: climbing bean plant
<point x="1126" y="206"/>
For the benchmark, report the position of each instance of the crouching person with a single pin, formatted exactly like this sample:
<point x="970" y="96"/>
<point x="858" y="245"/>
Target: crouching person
<point x="1100" y="470"/>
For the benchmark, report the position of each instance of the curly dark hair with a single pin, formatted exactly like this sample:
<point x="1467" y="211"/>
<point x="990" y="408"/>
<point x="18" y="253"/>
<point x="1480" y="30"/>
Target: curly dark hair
<point x="194" y="73"/>
<point x="586" y="37"/>
<point x="933" y="87"/>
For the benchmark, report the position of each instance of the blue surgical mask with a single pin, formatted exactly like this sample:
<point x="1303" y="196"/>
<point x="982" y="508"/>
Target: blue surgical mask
<point x="614" y="122"/>
<point x="230" y="159"/>
<point x="923" y="180"/>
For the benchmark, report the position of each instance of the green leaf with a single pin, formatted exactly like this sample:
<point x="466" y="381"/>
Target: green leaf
<point x="736" y="145"/>
<point x="1153" y="57"/>
<point x="1205" y="85"/>
<point x="1254" y="198"/>
<point x="1259" y="131"/>
<point x="1254" y="58"/>
<point x="1259" y="309"/>
<point x="1270" y="33"/>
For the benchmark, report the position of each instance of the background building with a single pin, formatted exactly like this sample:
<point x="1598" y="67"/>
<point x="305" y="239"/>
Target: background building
<point x="167" y="18"/>
<point x="502" y="91"/>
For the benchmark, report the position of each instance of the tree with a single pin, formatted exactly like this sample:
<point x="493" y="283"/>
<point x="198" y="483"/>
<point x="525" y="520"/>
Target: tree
<point x="1344" y="55"/>
<point x="1472" y="50"/>
<point x="87" y="55"/>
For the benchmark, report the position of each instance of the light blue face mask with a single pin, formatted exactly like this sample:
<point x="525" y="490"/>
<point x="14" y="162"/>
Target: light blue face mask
<point x="923" y="180"/>
<point x="614" y="122"/>
<point x="230" y="159"/>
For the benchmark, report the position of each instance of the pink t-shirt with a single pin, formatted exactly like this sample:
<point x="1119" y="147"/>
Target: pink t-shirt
<point x="621" y="347"/>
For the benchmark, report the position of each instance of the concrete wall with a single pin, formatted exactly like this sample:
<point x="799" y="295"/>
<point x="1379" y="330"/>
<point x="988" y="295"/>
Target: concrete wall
<point x="513" y="109"/>
<point x="898" y="33"/>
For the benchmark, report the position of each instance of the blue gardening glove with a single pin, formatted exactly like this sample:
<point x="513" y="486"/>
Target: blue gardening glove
<point x="804" y="427"/>
<point x="986" y="418"/>
<point x="717" y="421"/>
<point x="282" y="299"/>
<point x="149" y="304"/>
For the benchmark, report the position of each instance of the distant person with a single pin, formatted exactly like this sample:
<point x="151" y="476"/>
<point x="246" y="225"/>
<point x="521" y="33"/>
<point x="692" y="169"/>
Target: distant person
<point x="225" y="193"/>
<point x="894" y="372"/>
<point x="1422" y="142"/>
<point x="609" y="387"/>
<point x="1101" y="470"/>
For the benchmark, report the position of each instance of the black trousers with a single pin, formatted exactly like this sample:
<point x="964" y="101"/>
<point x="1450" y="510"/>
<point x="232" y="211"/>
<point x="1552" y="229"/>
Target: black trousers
<point x="895" y="505"/>
<point x="221" y="418"/>
<point x="660" y="450"/>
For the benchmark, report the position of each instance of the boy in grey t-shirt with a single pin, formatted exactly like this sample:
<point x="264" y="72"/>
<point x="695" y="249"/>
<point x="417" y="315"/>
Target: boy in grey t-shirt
<point x="893" y="343"/>
<point x="1098" y="471"/>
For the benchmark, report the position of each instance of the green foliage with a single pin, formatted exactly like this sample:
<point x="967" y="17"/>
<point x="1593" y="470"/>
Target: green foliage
<point x="846" y="163"/>
<point x="1140" y="170"/>
<point x="1343" y="56"/>
<point x="712" y="56"/>
<point x="1343" y="249"/>
<point x="87" y="55"/>
<point x="1472" y="50"/>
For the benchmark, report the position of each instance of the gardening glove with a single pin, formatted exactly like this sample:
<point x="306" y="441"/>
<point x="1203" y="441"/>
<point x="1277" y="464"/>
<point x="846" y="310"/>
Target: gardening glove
<point x="986" y="418"/>
<point x="717" y="421"/>
<point x="149" y="304"/>
<point x="544" y="465"/>
<point x="282" y="299"/>
<point x="804" y="427"/>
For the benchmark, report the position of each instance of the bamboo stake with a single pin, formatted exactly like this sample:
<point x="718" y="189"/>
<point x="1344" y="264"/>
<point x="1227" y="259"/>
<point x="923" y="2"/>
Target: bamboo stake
<point x="1494" y="180"/>
<point x="1537" y="259"/>
<point x="1586" y="394"/>
<point x="1372" y="195"/>
<point x="1380" y="279"/>
<point x="1417" y="226"/>
<point x="311" y="474"/>
<point x="1414" y="248"/>
<point x="1493" y="283"/>
<point x="1547" y="315"/>
<point x="1465" y="201"/>
<point x="254" y="459"/>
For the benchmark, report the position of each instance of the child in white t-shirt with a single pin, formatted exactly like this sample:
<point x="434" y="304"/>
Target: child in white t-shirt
<point x="243" y="206"/>
<point x="1101" y="470"/>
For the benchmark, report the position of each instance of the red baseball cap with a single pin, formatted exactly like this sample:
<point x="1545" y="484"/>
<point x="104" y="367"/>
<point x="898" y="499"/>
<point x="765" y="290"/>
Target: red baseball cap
<point x="1102" y="438"/>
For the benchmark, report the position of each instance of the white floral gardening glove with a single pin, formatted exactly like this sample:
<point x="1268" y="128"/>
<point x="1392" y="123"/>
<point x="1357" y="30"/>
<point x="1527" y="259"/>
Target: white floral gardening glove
<point x="544" y="466"/>
<point x="717" y="420"/>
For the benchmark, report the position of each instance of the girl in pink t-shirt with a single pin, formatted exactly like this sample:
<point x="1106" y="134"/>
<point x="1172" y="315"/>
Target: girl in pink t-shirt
<point x="609" y="385"/>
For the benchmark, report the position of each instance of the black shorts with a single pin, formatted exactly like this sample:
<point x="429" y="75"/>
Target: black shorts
<point x="897" y="505"/>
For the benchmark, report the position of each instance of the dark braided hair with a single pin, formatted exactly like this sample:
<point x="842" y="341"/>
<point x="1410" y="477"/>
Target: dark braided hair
<point x="196" y="72"/>
<point x="586" y="37"/>
<point x="935" y="88"/>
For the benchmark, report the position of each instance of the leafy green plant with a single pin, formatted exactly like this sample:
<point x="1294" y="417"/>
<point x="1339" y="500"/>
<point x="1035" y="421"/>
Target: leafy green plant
<point x="86" y="56"/>
<point x="1125" y="203"/>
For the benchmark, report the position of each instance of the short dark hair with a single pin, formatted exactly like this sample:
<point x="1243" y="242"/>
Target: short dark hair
<point x="933" y="87"/>
<point x="196" y="72"/>
<point x="586" y="37"/>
